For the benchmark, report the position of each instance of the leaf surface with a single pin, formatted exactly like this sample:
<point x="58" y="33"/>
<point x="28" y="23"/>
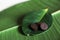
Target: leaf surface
<point x="9" y="30"/>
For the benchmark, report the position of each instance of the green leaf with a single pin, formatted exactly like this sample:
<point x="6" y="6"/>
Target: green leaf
<point x="9" y="30"/>
<point x="31" y="18"/>
<point x="51" y="34"/>
<point x="12" y="13"/>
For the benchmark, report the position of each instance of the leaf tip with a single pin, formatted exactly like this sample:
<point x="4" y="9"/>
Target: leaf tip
<point x="28" y="35"/>
<point x="46" y="9"/>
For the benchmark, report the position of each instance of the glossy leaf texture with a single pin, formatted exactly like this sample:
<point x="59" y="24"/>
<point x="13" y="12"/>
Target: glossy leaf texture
<point x="33" y="17"/>
<point x="8" y="24"/>
<point x="52" y="33"/>
<point x="8" y="17"/>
